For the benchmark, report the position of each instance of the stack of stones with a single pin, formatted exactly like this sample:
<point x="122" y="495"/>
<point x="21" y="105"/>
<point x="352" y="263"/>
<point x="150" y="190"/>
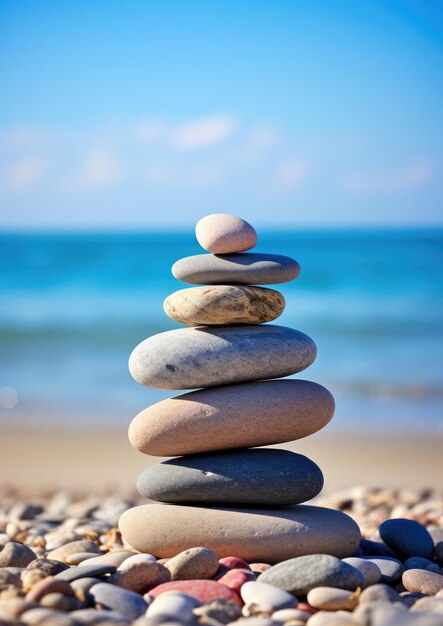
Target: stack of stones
<point x="223" y="492"/>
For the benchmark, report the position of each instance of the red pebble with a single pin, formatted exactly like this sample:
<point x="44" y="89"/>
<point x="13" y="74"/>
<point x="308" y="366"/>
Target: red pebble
<point x="304" y="606"/>
<point x="233" y="562"/>
<point x="235" y="578"/>
<point x="203" y="590"/>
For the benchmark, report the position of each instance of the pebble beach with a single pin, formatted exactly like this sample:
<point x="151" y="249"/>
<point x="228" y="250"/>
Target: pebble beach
<point x="63" y="562"/>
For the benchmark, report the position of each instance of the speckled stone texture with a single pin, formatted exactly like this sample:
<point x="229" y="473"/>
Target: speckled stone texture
<point x="235" y="416"/>
<point x="188" y="358"/>
<point x="224" y="304"/>
<point x="248" y="268"/>
<point x="265" y="535"/>
<point x="260" y="476"/>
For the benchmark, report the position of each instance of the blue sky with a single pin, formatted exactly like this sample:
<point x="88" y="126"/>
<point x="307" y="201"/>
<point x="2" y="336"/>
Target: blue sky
<point x="123" y="114"/>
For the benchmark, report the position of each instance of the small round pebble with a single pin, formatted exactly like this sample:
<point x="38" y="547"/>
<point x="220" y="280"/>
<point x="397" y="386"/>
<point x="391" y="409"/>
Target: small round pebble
<point x="391" y="569"/>
<point x="222" y="233"/>
<point x="423" y="581"/>
<point x="72" y="547"/>
<point x="332" y="599"/>
<point x="203" y="590"/>
<point x="327" y="618"/>
<point x="407" y="538"/>
<point x="174" y="605"/>
<point x="380" y="593"/>
<point x="16" y="555"/>
<point x="140" y="575"/>
<point x="48" y="585"/>
<point x="236" y="578"/>
<point x="114" y="598"/>
<point x="428" y="603"/>
<point x="370" y="570"/>
<point x="193" y="563"/>
<point x="303" y="573"/>
<point x="267" y="597"/>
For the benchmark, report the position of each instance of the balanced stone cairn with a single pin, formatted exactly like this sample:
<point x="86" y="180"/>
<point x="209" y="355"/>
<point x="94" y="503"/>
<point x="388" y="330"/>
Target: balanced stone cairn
<point x="223" y="492"/>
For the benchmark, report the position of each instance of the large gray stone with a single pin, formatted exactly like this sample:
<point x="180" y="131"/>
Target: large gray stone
<point x="234" y="416"/>
<point x="241" y="269"/>
<point x="188" y="358"/>
<point x="260" y="476"/>
<point x="255" y="535"/>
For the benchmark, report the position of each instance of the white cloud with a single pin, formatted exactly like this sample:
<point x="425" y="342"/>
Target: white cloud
<point x="291" y="173"/>
<point x="203" y="132"/>
<point x="24" y="173"/>
<point x="100" y="169"/>
<point x="413" y="176"/>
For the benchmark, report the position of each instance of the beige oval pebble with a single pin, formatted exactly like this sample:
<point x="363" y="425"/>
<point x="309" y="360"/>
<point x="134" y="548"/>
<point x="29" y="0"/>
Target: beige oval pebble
<point x="73" y="547"/>
<point x="224" y="304"/>
<point x="234" y="416"/>
<point x="333" y="599"/>
<point x="222" y="233"/>
<point x="195" y="563"/>
<point x="269" y="535"/>
<point x="423" y="581"/>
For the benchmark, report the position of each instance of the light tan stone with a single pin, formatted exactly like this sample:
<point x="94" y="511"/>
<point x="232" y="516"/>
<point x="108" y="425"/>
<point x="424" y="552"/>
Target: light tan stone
<point x="332" y="599"/>
<point x="270" y="535"/>
<point x="224" y="304"/>
<point x="223" y="233"/>
<point x="235" y="416"/>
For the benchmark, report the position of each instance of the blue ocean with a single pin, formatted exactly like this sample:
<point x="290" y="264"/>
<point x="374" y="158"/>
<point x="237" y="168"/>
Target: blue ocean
<point x="73" y="306"/>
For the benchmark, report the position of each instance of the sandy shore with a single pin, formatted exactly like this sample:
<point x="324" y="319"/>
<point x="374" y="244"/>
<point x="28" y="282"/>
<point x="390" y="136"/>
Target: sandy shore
<point x="36" y="456"/>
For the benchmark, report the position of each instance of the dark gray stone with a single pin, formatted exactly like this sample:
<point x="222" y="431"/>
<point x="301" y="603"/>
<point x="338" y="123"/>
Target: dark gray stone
<point x="261" y="476"/>
<point x="241" y="269"/>
<point x="417" y="562"/>
<point x="303" y="573"/>
<point x="375" y="548"/>
<point x="85" y="571"/>
<point x="391" y="569"/>
<point x="114" y="598"/>
<point x="188" y="358"/>
<point x="407" y="538"/>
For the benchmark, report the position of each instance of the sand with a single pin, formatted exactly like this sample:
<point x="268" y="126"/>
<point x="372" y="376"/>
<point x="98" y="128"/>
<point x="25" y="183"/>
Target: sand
<point x="94" y="458"/>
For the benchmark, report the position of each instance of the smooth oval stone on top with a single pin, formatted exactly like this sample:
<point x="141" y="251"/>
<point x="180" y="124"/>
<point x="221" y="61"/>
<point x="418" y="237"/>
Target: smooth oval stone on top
<point x="261" y="476"/>
<point x="188" y="358"/>
<point x="266" y="535"/>
<point x="235" y="416"/>
<point x="224" y="304"/>
<point x="222" y="233"/>
<point x="249" y="268"/>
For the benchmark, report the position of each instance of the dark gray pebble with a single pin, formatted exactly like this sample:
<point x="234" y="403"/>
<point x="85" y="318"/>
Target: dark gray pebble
<point x="83" y="571"/>
<point x="260" y="476"/>
<point x="407" y="538"/>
